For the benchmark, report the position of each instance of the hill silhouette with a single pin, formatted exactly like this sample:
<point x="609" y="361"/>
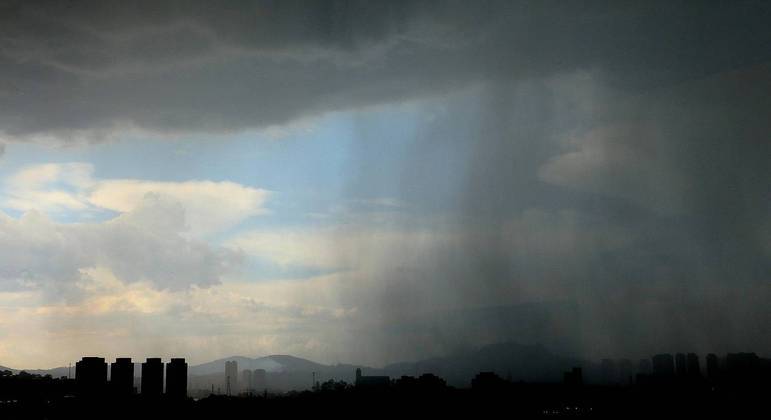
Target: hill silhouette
<point x="532" y="363"/>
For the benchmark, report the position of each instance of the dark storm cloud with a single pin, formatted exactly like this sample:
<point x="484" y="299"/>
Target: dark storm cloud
<point x="78" y="69"/>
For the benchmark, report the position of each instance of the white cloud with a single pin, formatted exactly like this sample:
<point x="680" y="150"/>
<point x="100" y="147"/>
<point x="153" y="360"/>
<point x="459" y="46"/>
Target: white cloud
<point x="209" y="207"/>
<point x="144" y="244"/>
<point x="51" y="187"/>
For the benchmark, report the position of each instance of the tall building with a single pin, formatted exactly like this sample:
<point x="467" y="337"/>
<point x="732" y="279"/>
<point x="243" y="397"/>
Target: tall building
<point x="176" y="378"/>
<point x="483" y="381"/>
<point x="681" y="368"/>
<point x="246" y="380"/>
<point x="742" y="368"/>
<point x="692" y="365"/>
<point x="626" y="371"/>
<point x="663" y="365"/>
<point x="152" y="377"/>
<point x="644" y="372"/>
<point x="259" y="380"/>
<point x="713" y="370"/>
<point x="91" y="375"/>
<point x="371" y="381"/>
<point x="122" y="376"/>
<point x="644" y="367"/>
<point x="574" y="377"/>
<point x="231" y="377"/>
<point x="608" y="371"/>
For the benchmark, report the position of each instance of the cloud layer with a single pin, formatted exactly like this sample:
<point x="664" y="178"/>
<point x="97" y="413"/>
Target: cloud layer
<point x="156" y="236"/>
<point x="209" y="207"/>
<point x="145" y="244"/>
<point x="87" y="70"/>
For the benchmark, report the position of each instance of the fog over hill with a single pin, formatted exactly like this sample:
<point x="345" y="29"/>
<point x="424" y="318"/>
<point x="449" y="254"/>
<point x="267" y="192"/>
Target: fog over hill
<point x="532" y="363"/>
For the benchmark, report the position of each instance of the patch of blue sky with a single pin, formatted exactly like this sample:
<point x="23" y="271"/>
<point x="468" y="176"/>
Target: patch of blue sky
<point x="313" y="168"/>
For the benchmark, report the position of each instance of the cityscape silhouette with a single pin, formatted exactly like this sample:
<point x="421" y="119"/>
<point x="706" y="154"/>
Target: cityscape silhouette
<point x="735" y="384"/>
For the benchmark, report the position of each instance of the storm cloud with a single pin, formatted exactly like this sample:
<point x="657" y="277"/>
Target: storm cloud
<point x="79" y="70"/>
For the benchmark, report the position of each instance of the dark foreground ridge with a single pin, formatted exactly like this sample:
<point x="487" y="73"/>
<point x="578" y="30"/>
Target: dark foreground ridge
<point x="734" y="386"/>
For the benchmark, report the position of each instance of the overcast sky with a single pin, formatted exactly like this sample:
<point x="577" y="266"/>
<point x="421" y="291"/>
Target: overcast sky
<point x="370" y="182"/>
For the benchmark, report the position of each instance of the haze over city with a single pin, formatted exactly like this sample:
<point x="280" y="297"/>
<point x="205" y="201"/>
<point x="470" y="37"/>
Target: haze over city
<point x="387" y="181"/>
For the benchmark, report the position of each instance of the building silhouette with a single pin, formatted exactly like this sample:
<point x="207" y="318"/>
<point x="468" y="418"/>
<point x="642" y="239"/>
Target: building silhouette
<point x="713" y="369"/>
<point x="625" y="371"/>
<point x="644" y="367"/>
<point x="425" y="383"/>
<point x="742" y="369"/>
<point x="176" y="378"/>
<point x="246" y="380"/>
<point x="740" y="391"/>
<point x="231" y="377"/>
<point x="488" y="381"/>
<point x="91" y="375"/>
<point x="681" y="368"/>
<point x="429" y="381"/>
<point x="152" y="377"/>
<point x="122" y="376"/>
<point x="371" y="381"/>
<point x="692" y="365"/>
<point x="663" y="365"/>
<point x="574" y="377"/>
<point x="644" y="372"/>
<point x="259" y="380"/>
<point x="608" y="371"/>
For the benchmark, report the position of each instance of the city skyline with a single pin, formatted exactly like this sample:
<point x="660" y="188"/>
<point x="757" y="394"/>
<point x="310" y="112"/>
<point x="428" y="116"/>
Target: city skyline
<point x="677" y="384"/>
<point x="245" y="377"/>
<point x="92" y="378"/>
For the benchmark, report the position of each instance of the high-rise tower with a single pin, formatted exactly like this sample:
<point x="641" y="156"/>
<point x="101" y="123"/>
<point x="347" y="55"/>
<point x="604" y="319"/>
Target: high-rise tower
<point x="122" y="376"/>
<point x="176" y="378"/>
<point x="152" y="377"/>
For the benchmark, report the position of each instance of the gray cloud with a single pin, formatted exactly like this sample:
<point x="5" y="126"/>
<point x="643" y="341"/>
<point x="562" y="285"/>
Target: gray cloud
<point x="81" y="70"/>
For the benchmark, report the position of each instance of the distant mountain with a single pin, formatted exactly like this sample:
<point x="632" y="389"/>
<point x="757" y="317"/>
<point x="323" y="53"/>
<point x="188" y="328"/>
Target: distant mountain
<point x="284" y="372"/>
<point x="274" y="364"/>
<point x="55" y="372"/>
<point x="532" y="363"/>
